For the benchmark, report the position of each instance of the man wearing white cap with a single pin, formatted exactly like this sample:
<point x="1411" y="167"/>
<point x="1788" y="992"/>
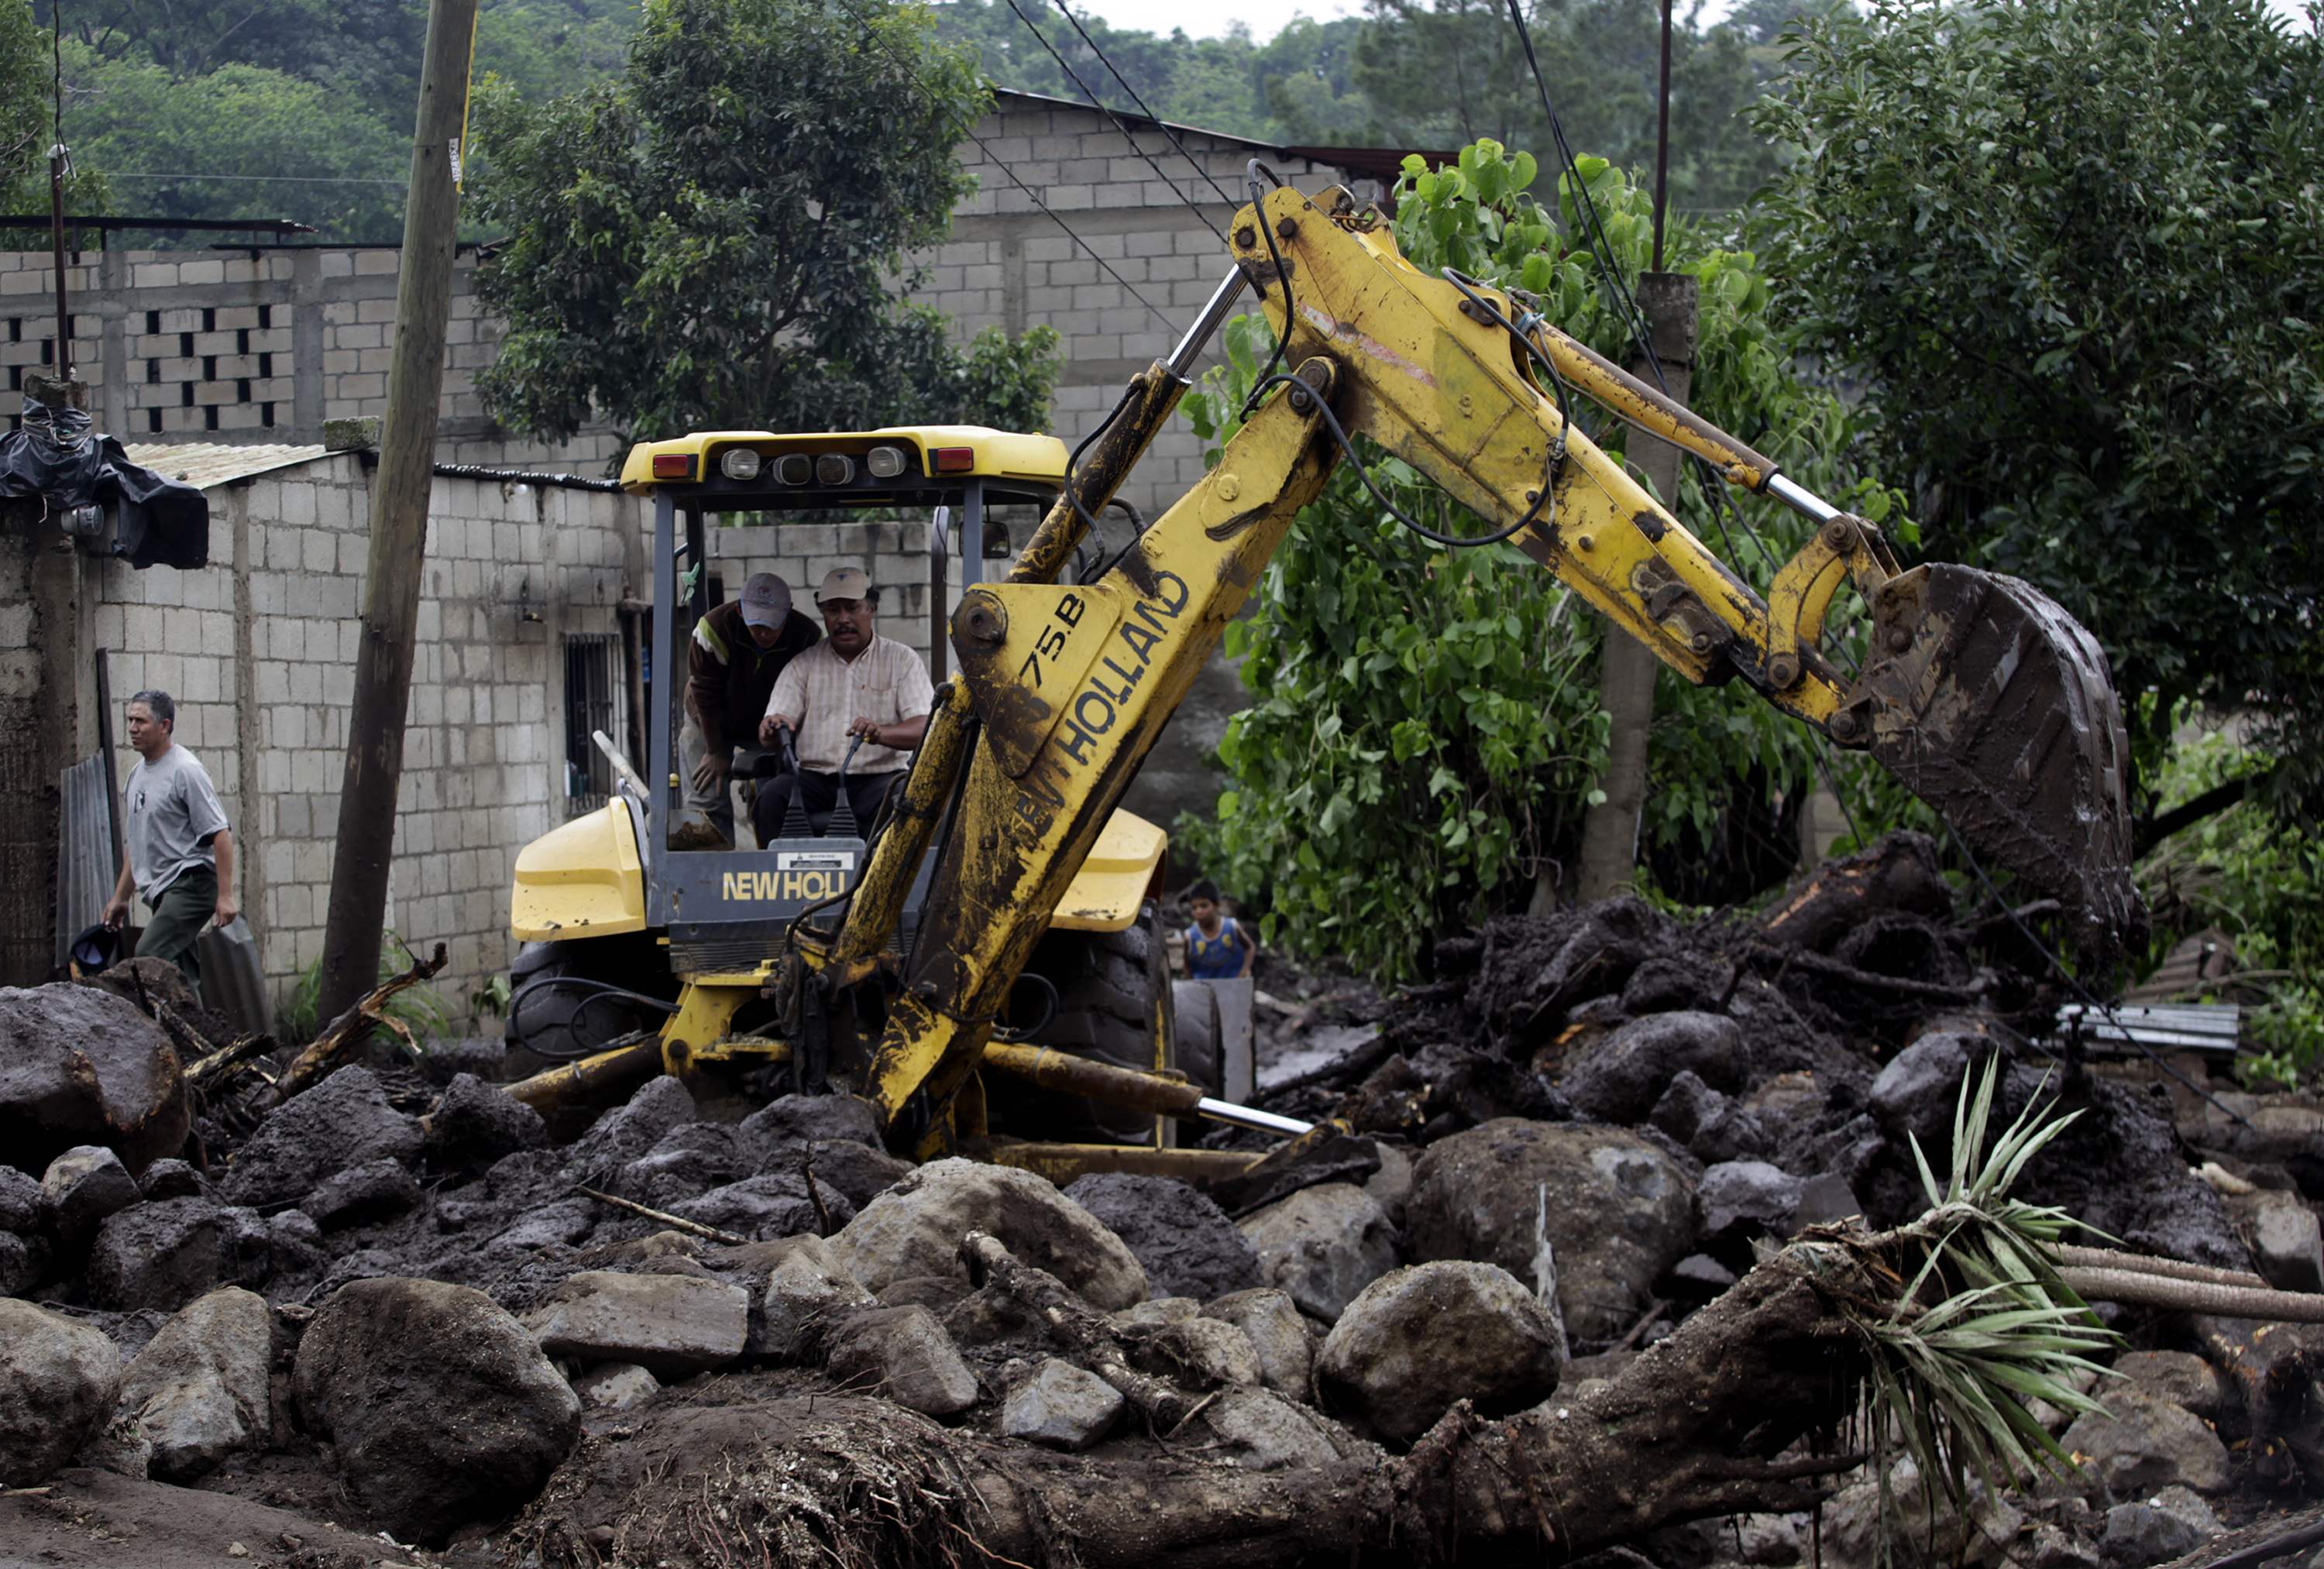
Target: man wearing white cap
<point x="737" y="651"/>
<point x="853" y="683"/>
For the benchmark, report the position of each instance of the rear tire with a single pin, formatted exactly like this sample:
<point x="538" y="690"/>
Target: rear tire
<point x="1113" y="993"/>
<point x="560" y="1022"/>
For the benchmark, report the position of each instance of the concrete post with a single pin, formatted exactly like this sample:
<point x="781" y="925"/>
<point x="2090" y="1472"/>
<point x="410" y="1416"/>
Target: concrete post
<point x="1609" y="831"/>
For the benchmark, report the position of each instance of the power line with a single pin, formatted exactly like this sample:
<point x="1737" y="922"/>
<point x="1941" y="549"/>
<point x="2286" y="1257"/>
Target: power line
<point x="1032" y="196"/>
<point x="1120" y="124"/>
<point x="1601" y="250"/>
<point x="271" y="178"/>
<point x="1160" y="123"/>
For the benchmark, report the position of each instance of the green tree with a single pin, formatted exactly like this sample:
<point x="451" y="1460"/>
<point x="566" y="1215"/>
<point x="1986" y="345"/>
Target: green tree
<point x="710" y="240"/>
<point x="1424" y="733"/>
<point x="210" y="134"/>
<point x="2068" y="248"/>
<point x="1439" y="73"/>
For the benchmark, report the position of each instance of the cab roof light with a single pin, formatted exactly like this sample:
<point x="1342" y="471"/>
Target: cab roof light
<point x="834" y="468"/>
<point x="794" y="468"/>
<point x="953" y="460"/>
<point x="673" y="465"/>
<point x="884" y="462"/>
<point x="739" y="463"/>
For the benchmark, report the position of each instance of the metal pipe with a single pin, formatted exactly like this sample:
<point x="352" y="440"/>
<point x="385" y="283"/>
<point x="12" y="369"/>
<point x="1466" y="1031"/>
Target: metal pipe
<point x="606" y="1070"/>
<point x="1215" y="310"/>
<point x="1800" y="500"/>
<point x="622" y="766"/>
<point x="1235" y="1116"/>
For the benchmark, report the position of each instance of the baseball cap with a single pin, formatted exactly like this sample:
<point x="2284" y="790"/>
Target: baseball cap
<point x="845" y="582"/>
<point x="766" y="600"/>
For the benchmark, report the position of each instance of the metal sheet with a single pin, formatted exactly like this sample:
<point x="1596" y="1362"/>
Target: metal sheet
<point x="86" y="869"/>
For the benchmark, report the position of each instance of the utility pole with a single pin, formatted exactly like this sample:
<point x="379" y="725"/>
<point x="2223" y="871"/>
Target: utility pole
<point x="1626" y="680"/>
<point x="399" y="518"/>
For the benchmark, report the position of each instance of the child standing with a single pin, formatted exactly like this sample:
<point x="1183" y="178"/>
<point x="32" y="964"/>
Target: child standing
<point x="1218" y="948"/>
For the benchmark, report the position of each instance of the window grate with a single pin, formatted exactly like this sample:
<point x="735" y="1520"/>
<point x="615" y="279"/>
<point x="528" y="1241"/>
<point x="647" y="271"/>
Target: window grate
<point x="596" y="698"/>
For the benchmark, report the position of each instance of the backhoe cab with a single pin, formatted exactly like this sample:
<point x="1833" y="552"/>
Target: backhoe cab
<point x="631" y="938"/>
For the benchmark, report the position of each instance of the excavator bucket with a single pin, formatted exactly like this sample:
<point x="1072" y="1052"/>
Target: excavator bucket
<point x="1994" y="706"/>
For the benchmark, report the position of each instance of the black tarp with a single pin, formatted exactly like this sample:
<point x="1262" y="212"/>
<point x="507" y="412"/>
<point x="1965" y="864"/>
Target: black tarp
<point x="58" y="457"/>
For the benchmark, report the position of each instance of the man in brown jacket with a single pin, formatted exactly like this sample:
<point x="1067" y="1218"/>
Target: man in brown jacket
<point x="736" y="653"/>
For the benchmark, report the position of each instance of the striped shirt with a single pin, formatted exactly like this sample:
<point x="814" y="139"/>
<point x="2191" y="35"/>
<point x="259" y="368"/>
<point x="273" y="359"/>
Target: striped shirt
<point x="819" y="695"/>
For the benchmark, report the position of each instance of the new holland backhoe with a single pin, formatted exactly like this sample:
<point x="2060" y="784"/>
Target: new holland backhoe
<point x="1980" y="694"/>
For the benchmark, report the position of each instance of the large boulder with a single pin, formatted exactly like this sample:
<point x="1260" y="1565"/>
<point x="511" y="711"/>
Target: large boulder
<point x="1616" y="1210"/>
<point x="81" y="1066"/>
<point x="770" y="1205"/>
<point x="439" y="1408"/>
<point x="1621" y="1077"/>
<point x="902" y="1354"/>
<point x="916" y="1227"/>
<point x="809" y="1120"/>
<point x="1918" y="1090"/>
<point x="83" y="1186"/>
<point x="670" y="1324"/>
<point x="1271" y="1322"/>
<point x="343" y="1123"/>
<point x="1416" y="1339"/>
<point x="806" y="1286"/>
<point x="23" y="1204"/>
<point x="2139" y="1445"/>
<point x="1322" y="1245"/>
<point x="58" y="1383"/>
<point x="200" y="1389"/>
<point x="477" y="1123"/>
<point x="627" y="1131"/>
<point x="1187" y="1244"/>
<point x="163" y="1255"/>
<point x="1059" y="1405"/>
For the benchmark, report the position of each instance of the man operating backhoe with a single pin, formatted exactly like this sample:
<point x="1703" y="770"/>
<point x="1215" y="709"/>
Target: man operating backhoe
<point x="854" y="687"/>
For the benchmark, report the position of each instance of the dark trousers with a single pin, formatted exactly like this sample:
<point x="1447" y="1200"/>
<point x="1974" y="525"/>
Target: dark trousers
<point x="819" y="792"/>
<point x="181" y="912"/>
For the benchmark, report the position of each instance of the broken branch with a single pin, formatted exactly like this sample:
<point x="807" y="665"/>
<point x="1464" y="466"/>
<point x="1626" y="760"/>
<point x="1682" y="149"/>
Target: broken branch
<point x="676" y="1223"/>
<point x="350" y="1028"/>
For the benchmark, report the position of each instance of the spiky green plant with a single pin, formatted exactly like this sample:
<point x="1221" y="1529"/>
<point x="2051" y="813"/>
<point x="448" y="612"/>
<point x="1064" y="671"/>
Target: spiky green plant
<point x="1980" y="1324"/>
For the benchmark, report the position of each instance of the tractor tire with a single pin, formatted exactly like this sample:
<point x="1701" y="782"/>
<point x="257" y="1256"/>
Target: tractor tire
<point x="1113" y="989"/>
<point x="561" y="1023"/>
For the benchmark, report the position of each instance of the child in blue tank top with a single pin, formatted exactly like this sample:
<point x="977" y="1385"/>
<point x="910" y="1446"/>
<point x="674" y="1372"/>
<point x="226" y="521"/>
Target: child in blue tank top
<point x="1217" y="946"/>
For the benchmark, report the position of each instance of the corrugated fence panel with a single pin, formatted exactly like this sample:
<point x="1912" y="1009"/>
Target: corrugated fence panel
<point x="86" y="868"/>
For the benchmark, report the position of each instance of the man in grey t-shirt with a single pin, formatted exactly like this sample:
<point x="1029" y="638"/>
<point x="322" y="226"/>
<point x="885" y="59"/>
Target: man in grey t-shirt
<point x="180" y="853"/>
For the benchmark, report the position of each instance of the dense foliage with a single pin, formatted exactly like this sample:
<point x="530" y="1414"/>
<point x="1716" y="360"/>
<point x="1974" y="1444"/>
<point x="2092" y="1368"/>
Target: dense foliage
<point x="2068" y="247"/>
<point x="710" y="240"/>
<point x="1425" y="732"/>
<point x="1430" y="74"/>
<point x="192" y="107"/>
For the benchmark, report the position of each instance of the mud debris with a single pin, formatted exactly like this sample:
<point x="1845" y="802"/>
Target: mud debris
<point x="385" y="1303"/>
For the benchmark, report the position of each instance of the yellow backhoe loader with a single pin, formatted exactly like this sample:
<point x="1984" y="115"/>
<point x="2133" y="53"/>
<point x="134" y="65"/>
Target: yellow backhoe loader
<point x="1979" y="693"/>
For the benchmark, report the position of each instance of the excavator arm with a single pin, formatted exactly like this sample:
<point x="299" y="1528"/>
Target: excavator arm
<point x="1982" y="695"/>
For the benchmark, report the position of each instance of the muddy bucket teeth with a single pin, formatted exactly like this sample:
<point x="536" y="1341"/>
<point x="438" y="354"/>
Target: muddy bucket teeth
<point x="1994" y="706"/>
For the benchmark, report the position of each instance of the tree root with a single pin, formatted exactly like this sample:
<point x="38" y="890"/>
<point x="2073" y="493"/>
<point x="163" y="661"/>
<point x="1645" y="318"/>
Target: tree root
<point x="1079" y="1325"/>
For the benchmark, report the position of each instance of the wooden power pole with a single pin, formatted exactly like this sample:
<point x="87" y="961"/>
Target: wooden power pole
<point x="399" y="518"/>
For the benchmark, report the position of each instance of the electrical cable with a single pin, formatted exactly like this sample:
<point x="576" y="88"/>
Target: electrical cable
<point x="1001" y="163"/>
<point x="1601" y="250"/>
<point x="1118" y="123"/>
<point x="1160" y="123"/>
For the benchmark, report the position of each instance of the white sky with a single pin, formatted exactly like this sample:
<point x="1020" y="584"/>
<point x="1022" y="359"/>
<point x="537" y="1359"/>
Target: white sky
<point x="1265" y="18"/>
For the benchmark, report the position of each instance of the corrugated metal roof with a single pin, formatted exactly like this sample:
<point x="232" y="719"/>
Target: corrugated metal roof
<point x="211" y="464"/>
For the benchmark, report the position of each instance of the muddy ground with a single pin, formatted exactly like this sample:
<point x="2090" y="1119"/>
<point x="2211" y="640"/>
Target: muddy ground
<point x="384" y="1306"/>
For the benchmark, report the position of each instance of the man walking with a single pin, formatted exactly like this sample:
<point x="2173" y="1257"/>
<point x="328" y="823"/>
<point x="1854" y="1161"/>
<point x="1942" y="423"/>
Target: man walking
<point x="853" y="683"/>
<point x="736" y="653"/>
<point x="180" y="853"/>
